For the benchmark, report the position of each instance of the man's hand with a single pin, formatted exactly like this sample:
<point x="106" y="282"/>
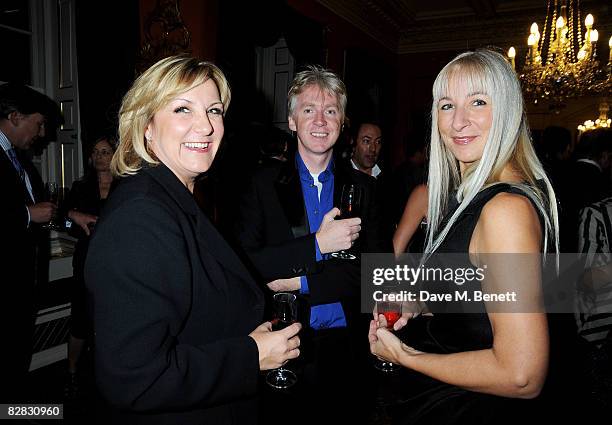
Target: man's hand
<point x="42" y="212"/>
<point x="285" y="285"/>
<point x="336" y="235"/>
<point x="82" y="219"/>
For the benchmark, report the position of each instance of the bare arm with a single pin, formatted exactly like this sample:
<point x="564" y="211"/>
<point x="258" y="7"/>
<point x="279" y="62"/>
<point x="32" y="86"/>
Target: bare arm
<point x="414" y="212"/>
<point x="517" y="363"/>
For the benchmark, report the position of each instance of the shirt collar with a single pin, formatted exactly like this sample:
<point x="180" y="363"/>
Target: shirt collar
<point x="4" y="142"/>
<point x="305" y="174"/>
<point x="375" y="170"/>
<point x="589" y="161"/>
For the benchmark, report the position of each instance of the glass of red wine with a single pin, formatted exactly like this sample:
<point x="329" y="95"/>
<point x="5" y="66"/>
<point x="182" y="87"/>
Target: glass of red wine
<point x="392" y="310"/>
<point x="350" y="207"/>
<point x="285" y="313"/>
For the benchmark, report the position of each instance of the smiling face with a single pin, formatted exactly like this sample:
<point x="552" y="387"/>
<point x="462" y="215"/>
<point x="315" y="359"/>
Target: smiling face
<point x="367" y="147"/>
<point x="317" y="121"/>
<point x="185" y="134"/>
<point x="464" y="121"/>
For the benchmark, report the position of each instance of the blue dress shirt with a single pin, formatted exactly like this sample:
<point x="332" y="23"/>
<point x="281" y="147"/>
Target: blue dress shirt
<point x="319" y="201"/>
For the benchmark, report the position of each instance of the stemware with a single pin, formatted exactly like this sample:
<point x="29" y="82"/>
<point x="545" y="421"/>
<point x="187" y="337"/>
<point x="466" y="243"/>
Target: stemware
<point x="285" y="313"/>
<point x="350" y="207"/>
<point x="392" y="310"/>
<point x="51" y="195"/>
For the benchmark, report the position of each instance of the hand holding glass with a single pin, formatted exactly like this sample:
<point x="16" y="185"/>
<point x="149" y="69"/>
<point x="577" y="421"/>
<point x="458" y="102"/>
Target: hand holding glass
<point x="285" y="314"/>
<point x="52" y="195"/>
<point x="350" y="207"/>
<point x="392" y="310"/>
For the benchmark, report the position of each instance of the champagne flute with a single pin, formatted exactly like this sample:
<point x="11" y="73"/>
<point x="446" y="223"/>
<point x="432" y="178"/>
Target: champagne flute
<point x="285" y="314"/>
<point x="392" y="310"/>
<point x="52" y="195"/>
<point x="350" y="207"/>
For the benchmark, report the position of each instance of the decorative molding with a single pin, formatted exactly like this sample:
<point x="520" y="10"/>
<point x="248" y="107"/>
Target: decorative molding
<point x="406" y="26"/>
<point x="356" y="13"/>
<point x="165" y="34"/>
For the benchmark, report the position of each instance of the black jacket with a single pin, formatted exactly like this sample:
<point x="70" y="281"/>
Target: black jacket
<point x="273" y="230"/>
<point x="172" y="309"/>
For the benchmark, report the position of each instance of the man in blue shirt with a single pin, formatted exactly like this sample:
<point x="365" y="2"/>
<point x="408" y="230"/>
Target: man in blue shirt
<point x="288" y="226"/>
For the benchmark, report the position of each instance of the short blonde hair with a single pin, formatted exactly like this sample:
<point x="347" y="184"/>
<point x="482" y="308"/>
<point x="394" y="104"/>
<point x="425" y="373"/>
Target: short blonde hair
<point x="323" y="78"/>
<point x="153" y="89"/>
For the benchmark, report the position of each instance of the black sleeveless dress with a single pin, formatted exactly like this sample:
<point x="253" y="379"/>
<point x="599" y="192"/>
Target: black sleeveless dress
<point x="428" y="401"/>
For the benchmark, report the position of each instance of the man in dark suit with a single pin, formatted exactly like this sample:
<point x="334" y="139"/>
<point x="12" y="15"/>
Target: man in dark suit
<point x="23" y="116"/>
<point x="588" y="182"/>
<point x="288" y="228"/>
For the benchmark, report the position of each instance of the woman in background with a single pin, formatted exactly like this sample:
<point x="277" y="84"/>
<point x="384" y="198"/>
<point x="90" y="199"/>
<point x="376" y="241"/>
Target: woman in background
<point x="409" y="233"/>
<point x="83" y="206"/>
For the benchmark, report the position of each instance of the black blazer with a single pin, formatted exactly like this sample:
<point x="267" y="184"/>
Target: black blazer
<point x="18" y="251"/>
<point x="17" y="279"/>
<point x="273" y="230"/>
<point x="172" y="309"/>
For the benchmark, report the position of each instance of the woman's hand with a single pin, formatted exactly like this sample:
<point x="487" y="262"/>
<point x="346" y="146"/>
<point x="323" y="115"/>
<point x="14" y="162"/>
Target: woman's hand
<point x="385" y="345"/>
<point x="278" y="347"/>
<point x="82" y="219"/>
<point x="410" y="310"/>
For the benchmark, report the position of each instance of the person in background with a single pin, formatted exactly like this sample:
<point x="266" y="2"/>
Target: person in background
<point x="488" y="193"/>
<point x="175" y="312"/>
<point x="82" y="209"/>
<point x="274" y="146"/>
<point x="410" y="173"/>
<point x="555" y="151"/>
<point x="367" y="143"/>
<point x="410" y="233"/>
<point x="25" y="116"/>
<point x="594" y="308"/>
<point x="587" y="182"/>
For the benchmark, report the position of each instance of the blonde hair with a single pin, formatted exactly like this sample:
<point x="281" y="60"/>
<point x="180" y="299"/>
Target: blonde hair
<point x="153" y="89"/>
<point x="508" y="142"/>
<point x="325" y="79"/>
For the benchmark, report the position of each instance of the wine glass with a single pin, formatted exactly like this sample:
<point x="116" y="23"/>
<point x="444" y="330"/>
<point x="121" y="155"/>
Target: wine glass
<point x="51" y="195"/>
<point x="392" y="310"/>
<point x="285" y="313"/>
<point x="350" y="207"/>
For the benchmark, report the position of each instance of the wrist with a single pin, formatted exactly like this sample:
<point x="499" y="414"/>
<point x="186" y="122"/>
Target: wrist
<point x="322" y="247"/>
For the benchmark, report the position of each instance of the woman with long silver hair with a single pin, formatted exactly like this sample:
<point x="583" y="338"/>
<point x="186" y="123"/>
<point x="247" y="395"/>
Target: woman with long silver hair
<point x="488" y="194"/>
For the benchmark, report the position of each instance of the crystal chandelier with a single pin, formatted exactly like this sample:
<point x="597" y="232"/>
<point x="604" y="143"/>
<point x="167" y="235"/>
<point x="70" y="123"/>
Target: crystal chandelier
<point x="563" y="63"/>
<point x="602" y="122"/>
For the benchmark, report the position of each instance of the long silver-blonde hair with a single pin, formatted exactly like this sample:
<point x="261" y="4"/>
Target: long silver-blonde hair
<point x="508" y="142"/>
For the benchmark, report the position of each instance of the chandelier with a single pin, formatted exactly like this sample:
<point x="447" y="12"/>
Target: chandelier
<point x="602" y="122"/>
<point x="562" y="62"/>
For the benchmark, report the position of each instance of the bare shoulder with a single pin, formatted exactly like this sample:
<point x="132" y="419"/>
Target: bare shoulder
<point x="419" y="196"/>
<point x="509" y="223"/>
<point x="420" y="190"/>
